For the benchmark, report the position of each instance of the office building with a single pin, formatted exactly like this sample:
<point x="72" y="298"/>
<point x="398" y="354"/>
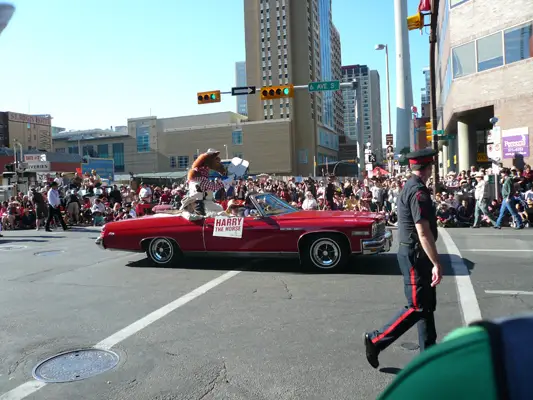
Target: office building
<point x="240" y="81"/>
<point x="154" y="144"/>
<point x="362" y="112"/>
<point x="31" y="131"/>
<point x="425" y="95"/>
<point x="295" y="42"/>
<point x="484" y="70"/>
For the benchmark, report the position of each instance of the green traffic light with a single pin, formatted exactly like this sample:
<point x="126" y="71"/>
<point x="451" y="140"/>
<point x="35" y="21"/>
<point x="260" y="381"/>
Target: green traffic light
<point x="286" y="91"/>
<point x="213" y="97"/>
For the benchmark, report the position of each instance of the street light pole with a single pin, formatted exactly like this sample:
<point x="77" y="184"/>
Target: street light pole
<point x="386" y="48"/>
<point x="433" y="90"/>
<point x="226" y="147"/>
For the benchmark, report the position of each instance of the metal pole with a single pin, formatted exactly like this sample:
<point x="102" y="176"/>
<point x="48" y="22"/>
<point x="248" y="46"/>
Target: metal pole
<point x="388" y="101"/>
<point x="388" y="86"/>
<point x="314" y="166"/>
<point x="433" y="89"/>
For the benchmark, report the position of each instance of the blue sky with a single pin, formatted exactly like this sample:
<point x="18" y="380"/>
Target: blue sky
<point x="93" y="64"/>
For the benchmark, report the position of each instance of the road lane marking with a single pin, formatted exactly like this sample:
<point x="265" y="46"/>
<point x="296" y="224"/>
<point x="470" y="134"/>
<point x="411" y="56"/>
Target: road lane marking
<point x="510" y="292"/>
<point x="30" y="387"/>
<point x="470" y="311"/>
<point x="499" y="250"/>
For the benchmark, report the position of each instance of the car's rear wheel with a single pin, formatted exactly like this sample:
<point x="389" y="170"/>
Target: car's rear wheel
<point x="163" y="252"/>
<point x="325" y="252"/>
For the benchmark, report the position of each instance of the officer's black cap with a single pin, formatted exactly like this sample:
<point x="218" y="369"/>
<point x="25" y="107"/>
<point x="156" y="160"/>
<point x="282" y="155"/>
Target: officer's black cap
<point x="421" y="158"/>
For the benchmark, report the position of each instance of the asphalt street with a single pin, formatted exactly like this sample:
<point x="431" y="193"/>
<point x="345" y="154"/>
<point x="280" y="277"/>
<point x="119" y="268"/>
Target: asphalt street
<point x="500" y="264"/>
<point x="268" y="331"/>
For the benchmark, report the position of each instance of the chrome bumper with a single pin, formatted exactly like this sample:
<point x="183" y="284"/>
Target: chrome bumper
<point x="100" y="242"/>
<point x="377" y="245"/>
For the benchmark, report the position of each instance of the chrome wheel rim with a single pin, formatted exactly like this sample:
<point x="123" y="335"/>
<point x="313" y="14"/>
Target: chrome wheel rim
<point x="161" y="251"/>
<point x="325" y="253"/>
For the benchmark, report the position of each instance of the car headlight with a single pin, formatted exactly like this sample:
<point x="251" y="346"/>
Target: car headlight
<point x="374" y="229"/>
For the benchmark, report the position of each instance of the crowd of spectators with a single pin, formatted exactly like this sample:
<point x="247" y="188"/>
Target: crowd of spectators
<point x="466" y="199"/>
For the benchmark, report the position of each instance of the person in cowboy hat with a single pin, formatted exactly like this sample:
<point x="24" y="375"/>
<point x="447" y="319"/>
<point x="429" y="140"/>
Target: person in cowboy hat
<point x="188" y="209"/>
<point x="481" y="195"/>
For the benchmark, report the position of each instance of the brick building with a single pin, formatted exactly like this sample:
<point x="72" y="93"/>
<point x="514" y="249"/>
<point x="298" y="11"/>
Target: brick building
<point x="484" y="69"/>
<point x="152" y="144"/>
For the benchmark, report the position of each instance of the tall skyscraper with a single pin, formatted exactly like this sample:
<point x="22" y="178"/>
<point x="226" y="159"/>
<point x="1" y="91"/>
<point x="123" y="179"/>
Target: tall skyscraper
<point x="362" y="111"/>
<point x="296" y="42"/>
<point x="425" y="99"/>
<point x="240" y="80"/>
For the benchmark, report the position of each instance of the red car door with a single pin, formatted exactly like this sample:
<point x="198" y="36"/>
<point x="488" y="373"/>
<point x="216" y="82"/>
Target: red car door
<point x="258" y="235"/>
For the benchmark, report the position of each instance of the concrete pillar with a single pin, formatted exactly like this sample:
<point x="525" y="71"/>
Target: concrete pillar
<point x="445" y="155"/>
<point x="463" y="146"/>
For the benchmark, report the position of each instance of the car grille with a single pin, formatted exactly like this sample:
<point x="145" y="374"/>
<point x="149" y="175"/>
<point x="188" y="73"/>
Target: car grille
<point x="381" y="228"/>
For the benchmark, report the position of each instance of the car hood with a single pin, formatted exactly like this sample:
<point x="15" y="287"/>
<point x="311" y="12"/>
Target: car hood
<point x="356" y="215"/>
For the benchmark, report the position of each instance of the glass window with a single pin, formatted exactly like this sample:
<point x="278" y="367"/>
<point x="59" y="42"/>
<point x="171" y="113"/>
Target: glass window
<point x="88" y="151"/>
<point x="464" y="60"/>
<point x="118" y="156"/>
<point x="103" y="150"/>
<point x="303" y="156"/>
<point x="489" y="52"/>
<point x="518" y="43"/>
<point x="173" y="162"/>
<point x="73" y="150"/>
<point x="60" y="150"/>
<point x="143" y="139"/>
<point x="236" y="137"/>
<point x="183" y="162"/>
<point x="238" y="154"/>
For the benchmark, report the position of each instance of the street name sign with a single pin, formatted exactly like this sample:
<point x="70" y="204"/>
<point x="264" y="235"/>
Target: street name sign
<point x="243" y="90"/>
<point x="324" y="86"/>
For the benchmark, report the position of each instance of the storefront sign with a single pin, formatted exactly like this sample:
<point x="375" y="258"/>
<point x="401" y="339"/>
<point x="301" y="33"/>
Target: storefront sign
<point x="29" y="119"/>
<point x="38" y="166"/>
<point x="515" y="141"/>
<point x="229" y="227"/>
<point x="31" y="158"/>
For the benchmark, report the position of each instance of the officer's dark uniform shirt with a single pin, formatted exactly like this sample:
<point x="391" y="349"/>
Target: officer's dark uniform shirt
<point x="414" y="205"/>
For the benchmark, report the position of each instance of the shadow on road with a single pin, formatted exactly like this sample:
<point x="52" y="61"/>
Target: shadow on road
<point x="382" y="264"/>
<point x="8" y="240"/>
<point x="390" y="370"/>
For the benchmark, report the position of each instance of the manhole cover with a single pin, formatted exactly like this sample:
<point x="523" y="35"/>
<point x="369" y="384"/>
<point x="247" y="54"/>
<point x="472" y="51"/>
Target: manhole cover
<point x="75" y="365"/>
<point x="410" y="346"/>
<point x="9" y="248"/>
<point x="48" y="253"/>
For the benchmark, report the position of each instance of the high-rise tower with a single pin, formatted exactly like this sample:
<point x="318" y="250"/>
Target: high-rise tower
<point x="296" y="42"/>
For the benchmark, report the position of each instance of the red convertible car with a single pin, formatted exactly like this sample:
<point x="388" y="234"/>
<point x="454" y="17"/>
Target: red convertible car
<point x="323" y="240"/>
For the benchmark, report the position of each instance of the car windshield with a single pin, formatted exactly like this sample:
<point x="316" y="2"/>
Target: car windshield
<point x="270" y="205"/>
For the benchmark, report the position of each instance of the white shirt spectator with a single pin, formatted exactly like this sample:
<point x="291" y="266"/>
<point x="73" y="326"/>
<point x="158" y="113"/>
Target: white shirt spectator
<point x="98" y="207"/>
<point x="53" y="198"/>
<point x="145" y="192"/>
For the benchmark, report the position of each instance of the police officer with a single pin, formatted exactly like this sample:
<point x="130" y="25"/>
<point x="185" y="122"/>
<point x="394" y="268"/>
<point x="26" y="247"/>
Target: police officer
<point x="418" y="260"/>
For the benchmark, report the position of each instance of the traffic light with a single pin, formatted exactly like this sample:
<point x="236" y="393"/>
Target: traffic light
<point x="209" y="97"/>
<point x="415" y="22"/>
<point x="429" y="131"/>
<point x="277" y="92"/>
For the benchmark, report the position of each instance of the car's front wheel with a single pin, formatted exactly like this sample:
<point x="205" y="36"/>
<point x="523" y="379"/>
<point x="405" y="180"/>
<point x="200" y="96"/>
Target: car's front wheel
<point x="163" y="252"/>
<point x="325" y="252"/>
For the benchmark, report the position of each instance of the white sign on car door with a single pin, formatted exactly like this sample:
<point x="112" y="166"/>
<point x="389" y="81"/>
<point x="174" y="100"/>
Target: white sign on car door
<point x="229" y="227"/>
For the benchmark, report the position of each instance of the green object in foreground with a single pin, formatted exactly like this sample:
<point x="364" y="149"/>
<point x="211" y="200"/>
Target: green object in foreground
<point x="324" y="86"/>
<point x="459" y="368"/>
